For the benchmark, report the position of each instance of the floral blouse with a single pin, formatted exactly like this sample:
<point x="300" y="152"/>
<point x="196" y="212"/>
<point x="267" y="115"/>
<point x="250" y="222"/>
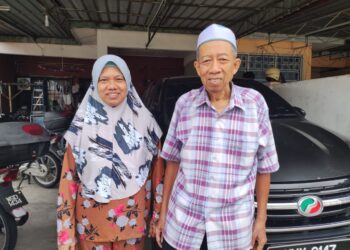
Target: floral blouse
<point x="80" y="218"/>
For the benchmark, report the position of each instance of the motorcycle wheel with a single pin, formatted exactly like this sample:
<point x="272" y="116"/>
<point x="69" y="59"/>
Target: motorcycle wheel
<point x="8" y="231"/>
<point x="54" y="171"/>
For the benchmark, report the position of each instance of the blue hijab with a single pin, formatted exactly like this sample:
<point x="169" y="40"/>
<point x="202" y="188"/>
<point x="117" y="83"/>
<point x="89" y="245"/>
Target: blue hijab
<point x="113" y="147"/>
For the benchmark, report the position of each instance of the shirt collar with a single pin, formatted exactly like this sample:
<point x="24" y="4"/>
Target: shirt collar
<point x="235" y="99"/>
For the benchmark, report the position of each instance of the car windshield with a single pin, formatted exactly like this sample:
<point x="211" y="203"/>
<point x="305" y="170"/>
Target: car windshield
<point x="278" y="107"/>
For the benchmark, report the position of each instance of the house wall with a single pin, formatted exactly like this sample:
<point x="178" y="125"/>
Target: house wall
<point x="325" y="100"/>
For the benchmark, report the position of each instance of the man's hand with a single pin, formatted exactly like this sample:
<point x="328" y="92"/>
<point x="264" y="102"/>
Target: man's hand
<point x="159" y="230"/>
<point x="262" y="188"/>
<point x="259" y="235"/>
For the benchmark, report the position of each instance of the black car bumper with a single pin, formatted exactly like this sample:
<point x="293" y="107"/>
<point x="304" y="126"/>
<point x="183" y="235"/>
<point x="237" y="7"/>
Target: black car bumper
<point x="313" y="240"/>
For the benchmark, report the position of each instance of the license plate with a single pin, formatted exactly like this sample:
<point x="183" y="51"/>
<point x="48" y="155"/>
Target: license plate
<point x="14" y="200"/>
<point x="343" y="244"/>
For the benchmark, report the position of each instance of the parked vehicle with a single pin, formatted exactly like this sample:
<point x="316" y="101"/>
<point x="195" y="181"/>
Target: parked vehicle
<point x="19" y="142"/>
<point x="309" y="202"/>
<point x="46" y="170"/>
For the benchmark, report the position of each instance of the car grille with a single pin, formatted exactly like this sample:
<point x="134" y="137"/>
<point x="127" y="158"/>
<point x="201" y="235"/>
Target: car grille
<point x="283" y="213"/>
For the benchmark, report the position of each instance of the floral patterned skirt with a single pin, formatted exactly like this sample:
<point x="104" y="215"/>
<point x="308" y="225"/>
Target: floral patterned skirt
<point x="132" y="244"/>
<point x="114" y="221"/>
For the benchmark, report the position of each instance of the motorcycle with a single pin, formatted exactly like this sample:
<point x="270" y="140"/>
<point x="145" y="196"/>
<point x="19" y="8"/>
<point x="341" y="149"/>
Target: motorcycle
<point x="12" y="213"/>
<point x="19" y="142"/>
<point x="46" y="170"/>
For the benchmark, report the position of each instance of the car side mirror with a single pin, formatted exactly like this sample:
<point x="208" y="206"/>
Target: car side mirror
<point x="300" y="111"/>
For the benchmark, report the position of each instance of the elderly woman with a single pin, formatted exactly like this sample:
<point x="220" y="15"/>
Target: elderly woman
<point x="110" y="161"/>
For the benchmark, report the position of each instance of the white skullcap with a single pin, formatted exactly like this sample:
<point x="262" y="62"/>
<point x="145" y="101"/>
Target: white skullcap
<point x="216" y="32"/>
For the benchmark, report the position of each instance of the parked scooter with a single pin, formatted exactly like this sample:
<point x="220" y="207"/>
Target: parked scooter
<point x="46" y="170"/>
<point x="19" y="142"/>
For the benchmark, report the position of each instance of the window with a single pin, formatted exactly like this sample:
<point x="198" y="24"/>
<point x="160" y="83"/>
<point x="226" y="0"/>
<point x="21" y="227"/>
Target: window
<point x="290" y="66"/>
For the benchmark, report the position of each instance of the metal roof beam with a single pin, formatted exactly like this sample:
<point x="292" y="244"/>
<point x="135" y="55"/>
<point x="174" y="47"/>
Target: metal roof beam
<point x="336" y="26"/>
<point x="58" y="24"/>
<point x="14" y="26"/>
<point x="97" y="13"/>
<point x="88" y="13"/>
<point x="49" y="40"/>
<point x="108" y="11"/>
<point x="210" y="13"/>
<point x="213" y="6"/>
<point x="154" y="22"/>
<point x="118" y="10"/>
<point x="74" y="9"/>
<point x="252" y="23"/>
<point x="139" y="13"/>
<point x="125" y="26"/>
<point x="190" y="14"/>
<point x="333" y="18"/>
<point x="340" y="25"/>
<point x="19" y="17"/>
<point x="285" y="26"/>
<point x="128" y="10"/>
<point x="149" y="16"/>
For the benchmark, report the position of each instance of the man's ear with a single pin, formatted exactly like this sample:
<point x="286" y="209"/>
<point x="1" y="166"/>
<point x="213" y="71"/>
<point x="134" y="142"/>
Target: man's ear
<point x="196" y="66"/>
<point x="237" y="64"/>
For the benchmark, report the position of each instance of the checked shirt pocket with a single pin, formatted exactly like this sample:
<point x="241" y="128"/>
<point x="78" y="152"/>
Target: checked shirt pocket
<point x="244" y="153"/>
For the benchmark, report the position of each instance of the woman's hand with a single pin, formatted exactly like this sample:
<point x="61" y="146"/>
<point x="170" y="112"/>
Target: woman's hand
<point x="159" y="227"/>
<point x="152" y="228"/>
<point x="67" y="247"/>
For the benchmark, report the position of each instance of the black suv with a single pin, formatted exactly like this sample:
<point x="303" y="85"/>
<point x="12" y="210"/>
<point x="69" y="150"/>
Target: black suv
<point x="309" y="202"/>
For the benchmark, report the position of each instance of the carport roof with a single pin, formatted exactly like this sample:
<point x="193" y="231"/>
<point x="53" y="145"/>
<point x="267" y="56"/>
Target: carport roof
<point x="25" y="20"/>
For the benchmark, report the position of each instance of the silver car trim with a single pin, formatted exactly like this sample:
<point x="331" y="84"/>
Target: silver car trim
<point x="294" y="205"/>
<point x="308" y="228"/>
<point x="309" y="192"/>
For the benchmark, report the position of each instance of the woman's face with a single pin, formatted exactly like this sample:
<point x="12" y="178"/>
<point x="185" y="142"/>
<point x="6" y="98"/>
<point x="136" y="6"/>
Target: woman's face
<point x="112" y="86"/>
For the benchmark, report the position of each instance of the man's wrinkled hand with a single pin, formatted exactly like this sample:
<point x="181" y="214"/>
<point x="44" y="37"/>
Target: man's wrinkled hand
<point x="259" y="235"/>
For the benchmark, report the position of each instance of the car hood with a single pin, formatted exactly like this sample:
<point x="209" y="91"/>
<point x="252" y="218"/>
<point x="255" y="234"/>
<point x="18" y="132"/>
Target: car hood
<point x="308" y="152"/>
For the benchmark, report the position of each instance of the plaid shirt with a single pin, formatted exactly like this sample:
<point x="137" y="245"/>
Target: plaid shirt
<point x="220" y="155"/>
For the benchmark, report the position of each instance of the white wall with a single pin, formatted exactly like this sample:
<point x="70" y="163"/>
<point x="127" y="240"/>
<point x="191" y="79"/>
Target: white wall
<point x="55" y="50"/>
<point x="96" y="43"/>
<point x="138" y="40"/>
<point x="325" y="100"/>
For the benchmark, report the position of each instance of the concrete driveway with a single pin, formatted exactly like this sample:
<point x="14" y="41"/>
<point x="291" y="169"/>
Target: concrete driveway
<point x="39" y="232"/>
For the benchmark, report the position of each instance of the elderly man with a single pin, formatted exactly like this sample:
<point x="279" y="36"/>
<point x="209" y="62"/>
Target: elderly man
<point x="219" y="148"/>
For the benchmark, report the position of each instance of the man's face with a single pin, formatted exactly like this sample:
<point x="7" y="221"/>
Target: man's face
<point x="112" y="87"/>
<point x="216" y="65"/>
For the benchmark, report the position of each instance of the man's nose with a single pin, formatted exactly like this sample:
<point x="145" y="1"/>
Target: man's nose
<point x="215" y="67"/>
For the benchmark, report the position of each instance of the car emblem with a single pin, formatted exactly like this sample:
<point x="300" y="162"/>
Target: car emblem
<point x="310" y="206"/>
